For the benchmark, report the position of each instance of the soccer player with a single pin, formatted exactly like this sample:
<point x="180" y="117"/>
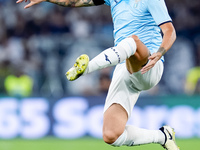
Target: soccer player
<point x="138" y="54"/>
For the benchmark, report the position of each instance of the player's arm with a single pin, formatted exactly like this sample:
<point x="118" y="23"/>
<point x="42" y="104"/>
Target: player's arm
<point x="72" y="3"/>
<point x="169" y="36"/>
<point x="66" y="3"/>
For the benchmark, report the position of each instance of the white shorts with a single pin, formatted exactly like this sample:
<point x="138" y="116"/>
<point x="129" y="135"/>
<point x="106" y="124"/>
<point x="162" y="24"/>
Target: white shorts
<point x="125" y="87"/>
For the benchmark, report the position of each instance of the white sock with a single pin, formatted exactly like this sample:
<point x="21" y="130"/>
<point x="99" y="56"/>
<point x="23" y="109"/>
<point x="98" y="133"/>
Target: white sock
<point x="113" y="56"/>
<point x="137" y="136"/>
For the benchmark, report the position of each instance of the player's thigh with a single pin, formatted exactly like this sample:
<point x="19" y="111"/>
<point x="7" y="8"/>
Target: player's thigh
<point x="115" y="119"/>
<point x="140" y="58"/>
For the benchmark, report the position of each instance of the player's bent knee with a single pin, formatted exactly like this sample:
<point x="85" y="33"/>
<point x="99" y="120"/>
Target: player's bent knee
<point x="115" y="139"/>
<point x="110" y="137"/>
<point x="135" y="37"/>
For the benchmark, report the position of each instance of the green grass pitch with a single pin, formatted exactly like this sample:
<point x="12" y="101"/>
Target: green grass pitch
<point x="85" y="144"/>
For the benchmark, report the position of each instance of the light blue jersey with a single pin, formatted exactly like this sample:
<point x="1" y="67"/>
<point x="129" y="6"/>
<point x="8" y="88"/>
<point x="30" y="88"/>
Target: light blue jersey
<point x="141" y="18"/>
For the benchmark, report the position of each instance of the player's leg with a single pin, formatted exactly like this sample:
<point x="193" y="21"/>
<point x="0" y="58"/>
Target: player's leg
<point x="130" y="49"/>
<point x="118" y="107"/>
<point x="114" y="55"/>
<point x="109" y="57"/>
<point x="114" y="123"/>
<point x="120" y="101"/>
<point x="116" y="133"/>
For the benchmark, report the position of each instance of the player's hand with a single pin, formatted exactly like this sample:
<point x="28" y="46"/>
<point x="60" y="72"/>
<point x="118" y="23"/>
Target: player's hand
<point x="32" y="2"/>
<point x="153" y="60"/>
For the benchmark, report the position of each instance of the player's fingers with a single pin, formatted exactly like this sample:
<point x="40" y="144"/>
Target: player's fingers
<point x="151" y="63"/>
<point x="152" y="56"/>
<point x="19" y="1"/>
<point x="144" y="70"/>
<point x="147" y="67"/>
<point x="29" y="5"/>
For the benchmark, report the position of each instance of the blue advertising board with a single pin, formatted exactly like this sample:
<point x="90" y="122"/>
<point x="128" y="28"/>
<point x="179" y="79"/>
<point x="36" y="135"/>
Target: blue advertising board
<point x="75" y="117"/>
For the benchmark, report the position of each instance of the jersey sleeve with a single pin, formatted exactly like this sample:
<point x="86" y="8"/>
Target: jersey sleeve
<point x="159" y="11"/>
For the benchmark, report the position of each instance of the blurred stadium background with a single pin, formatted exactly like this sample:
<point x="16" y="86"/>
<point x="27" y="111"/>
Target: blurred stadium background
<point x="40" y="109"/>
